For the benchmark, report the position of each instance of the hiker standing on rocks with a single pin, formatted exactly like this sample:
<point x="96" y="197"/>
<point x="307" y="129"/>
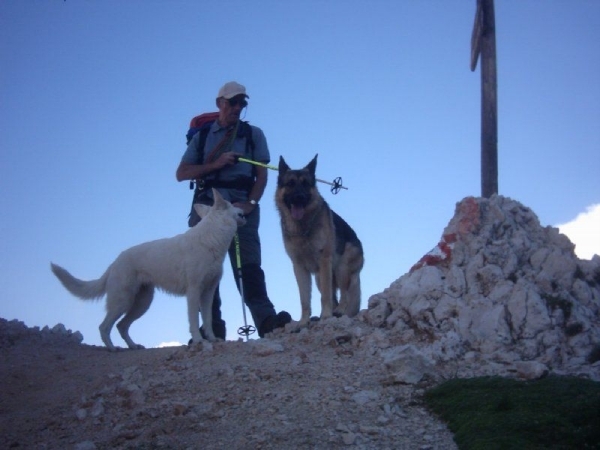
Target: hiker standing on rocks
<point x="211" y="160"/>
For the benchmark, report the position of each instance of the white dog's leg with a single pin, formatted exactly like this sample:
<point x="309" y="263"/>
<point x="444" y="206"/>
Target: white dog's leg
<point x="142" y="302"/>
<point x="193" y="307"/>
<point x="206" y="300"/>
<point x="201" y="300"/>
<point x="105" y="328"/>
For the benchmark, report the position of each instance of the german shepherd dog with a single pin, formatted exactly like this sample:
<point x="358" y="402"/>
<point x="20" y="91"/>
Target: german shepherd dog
<point x="318" y="242"/>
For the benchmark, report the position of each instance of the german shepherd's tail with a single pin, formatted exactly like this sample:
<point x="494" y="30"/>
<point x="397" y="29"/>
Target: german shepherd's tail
<point x="85" y="290"/>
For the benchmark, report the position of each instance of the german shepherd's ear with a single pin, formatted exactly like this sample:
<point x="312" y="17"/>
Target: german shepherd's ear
<point x="283" y="167"/>
<point x="312" y="166"/>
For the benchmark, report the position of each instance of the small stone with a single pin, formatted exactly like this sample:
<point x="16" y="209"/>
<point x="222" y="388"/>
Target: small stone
<point x="348" y="438"/>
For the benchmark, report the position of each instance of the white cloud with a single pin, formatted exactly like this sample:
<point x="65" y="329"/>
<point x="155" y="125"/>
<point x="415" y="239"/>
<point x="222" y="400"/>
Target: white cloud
<point x="584" y="232"/>
<point x="169" y="344"/>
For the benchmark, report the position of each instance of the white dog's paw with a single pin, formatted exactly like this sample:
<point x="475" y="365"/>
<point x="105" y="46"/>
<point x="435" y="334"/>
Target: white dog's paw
<point x="203" y="346"/>
<point x="195" y="341"/>
<point x="326" y="315"/>
<point x="137" y="347"/>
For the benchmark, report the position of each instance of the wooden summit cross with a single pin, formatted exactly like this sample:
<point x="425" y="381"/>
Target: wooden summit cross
<point x="483" y="42"/>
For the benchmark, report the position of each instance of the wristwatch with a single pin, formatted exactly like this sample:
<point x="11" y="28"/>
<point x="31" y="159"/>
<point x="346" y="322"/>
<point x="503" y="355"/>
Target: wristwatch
<point x="253" y="202"/>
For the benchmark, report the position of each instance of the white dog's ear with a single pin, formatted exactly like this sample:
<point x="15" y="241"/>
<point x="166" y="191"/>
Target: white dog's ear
<point x="220" y="202"/>
<point x="202" y="210"/>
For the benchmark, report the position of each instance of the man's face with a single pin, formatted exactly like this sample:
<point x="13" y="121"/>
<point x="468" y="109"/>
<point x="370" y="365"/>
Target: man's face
<point x="230" y="109"/>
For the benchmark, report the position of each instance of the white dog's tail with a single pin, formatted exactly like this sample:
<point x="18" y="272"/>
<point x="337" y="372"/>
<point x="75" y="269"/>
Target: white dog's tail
<point x="85" y="290"/>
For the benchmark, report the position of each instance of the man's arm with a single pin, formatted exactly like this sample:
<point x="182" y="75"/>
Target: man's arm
<point x="195" y="171"/>
<point x="259" y="185"/>
<point x="257" y="191"/>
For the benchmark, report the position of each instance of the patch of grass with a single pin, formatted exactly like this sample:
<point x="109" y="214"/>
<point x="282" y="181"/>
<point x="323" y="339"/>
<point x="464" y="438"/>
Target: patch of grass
<point x="498" y="413"/>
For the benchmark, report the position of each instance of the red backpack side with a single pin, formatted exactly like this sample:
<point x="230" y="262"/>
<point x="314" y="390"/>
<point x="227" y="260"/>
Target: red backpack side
<point x="199" y="122"/>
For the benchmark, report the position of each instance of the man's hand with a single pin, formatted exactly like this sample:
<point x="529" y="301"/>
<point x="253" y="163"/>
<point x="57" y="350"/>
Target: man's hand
<point x="226" y="159"/>
<point x="246" y="207"/>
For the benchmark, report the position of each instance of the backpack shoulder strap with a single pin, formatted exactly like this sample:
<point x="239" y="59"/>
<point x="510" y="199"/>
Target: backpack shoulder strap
<point x="250" y="144"/>
<point x="202" y="139"/>
<point x="248" y="134"/>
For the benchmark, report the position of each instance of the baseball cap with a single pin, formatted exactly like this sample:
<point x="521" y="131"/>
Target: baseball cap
<point x="231" y="89"/>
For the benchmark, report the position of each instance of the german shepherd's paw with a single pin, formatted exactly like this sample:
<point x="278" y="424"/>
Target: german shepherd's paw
<point x="295" y="326"/>
<point x="339" y="312"/>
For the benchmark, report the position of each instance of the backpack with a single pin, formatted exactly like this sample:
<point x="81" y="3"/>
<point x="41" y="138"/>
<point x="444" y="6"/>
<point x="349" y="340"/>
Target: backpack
<point x="201" y="124"/>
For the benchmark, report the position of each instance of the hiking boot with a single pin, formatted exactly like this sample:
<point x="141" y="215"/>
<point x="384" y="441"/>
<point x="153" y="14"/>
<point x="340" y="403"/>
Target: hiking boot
<point x="283" y="318"/>
<point x="273" y="322"/>
<point x="219" y="330"/>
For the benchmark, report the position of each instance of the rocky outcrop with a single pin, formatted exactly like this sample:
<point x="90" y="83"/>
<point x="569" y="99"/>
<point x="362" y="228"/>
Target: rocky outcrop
<point x="499" y="294"/>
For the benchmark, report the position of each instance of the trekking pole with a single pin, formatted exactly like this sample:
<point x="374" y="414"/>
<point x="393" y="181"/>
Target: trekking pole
<point x="336" y="185"/>
<point x="245" y="330"/>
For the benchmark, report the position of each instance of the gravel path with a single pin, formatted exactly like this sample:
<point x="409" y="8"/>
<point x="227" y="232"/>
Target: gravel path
<point x="319" y="389"/>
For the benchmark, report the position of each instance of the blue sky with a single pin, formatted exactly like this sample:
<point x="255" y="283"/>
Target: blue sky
<point x="96" y="97"/>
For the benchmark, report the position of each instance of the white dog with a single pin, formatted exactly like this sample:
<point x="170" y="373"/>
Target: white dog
<point x="189" y="264"/>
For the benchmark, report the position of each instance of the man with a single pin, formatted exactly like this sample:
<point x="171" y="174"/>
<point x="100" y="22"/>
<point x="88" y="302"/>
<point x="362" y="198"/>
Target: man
<point x="242" y="184"/>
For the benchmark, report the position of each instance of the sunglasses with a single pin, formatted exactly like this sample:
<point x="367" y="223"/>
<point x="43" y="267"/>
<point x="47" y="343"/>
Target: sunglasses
<point x="233" y="102"/>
